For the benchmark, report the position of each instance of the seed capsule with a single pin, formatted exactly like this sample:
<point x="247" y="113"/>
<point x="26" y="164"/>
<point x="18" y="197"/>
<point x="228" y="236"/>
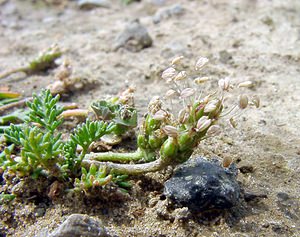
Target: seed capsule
<point x="246" y="84"/>
<point x="170" y="131"/>
<point x="169" y="148"/>
<point x="187" y="92"/>
<point x="214" y="130"/>
<point x="203" y="123"/>
<point x="201" y="80"/>
<point x="243" y="101"/>
<point x="201" y="62"/>
<point x="180" y="76"/>
<point x="170" y="93"/>
<point x="169" y="73"/>
<point x="232" y="122"/>
<point x="211" y="106"/>
<point x="160" y="115"/>
<point x="177" y="60"/>
<point x="185" y="141"/>
<point x="256" y="101"/>
<point x="224" y="84"/>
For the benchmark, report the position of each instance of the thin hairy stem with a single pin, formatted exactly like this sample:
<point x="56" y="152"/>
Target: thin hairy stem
<point x="131" y="169"/>
<point x="116" y="157"/>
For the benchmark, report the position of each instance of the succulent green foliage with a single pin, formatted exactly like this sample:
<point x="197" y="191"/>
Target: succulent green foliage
<point x="45" y="61"/>
<point x="40" y="147"/>
<point x="122" y="181"/>
<point x="39" y="150"/>
<point x="18" y="116"/>
<point x="94" y="177"/>
<point x="6" y="198"/>
<point x="45" y="111"/>
<point x="89" y="132"/>
<point x="123" y="116"/>
<point x="8" y="95"/>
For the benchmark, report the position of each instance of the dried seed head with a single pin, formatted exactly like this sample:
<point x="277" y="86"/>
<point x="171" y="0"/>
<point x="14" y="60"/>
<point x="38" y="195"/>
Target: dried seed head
<point x="227" y="161"/>
<point x="187" y="92"/>
<point x="224" y="84"/>
<point x="169" y="74"/>
<point x="160" y="115"/>
<point x="180" y="76"/>
<point x="243" y="101"/>
<point x="203" y="123"/>
<point x="232" y="122"/>
<point x="177" y="60"/>
<point x="211" y="106"/>
<point x="201" y="80"/>
<point x="170" y="131"/>
<point x="214" y="130"/>
<point x="154" y="105"/>
<point x="246" y="84"/>
<point x="256" y="101"/>
<point x="170" y="93"/>
<point x="201" y="62"/>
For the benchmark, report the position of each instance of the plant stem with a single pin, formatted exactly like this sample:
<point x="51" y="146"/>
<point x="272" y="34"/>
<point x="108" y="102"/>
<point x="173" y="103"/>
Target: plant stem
<point x="19" y="103"/>
<point x="131" y="169"/>
<point x="116" y="157"/>
<point x="13" y="71"/>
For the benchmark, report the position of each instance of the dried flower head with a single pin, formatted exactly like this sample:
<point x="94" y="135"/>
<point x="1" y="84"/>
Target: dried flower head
<point x="154" y="105"/>
<point x="201" y="62"/>
<point x="243" y="101"/>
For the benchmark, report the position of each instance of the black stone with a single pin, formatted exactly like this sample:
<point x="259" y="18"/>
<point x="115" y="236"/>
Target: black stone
<point x="203" y="185"/>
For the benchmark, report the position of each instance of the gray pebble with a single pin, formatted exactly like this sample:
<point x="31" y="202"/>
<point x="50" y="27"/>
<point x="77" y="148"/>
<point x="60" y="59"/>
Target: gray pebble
<point x="135" y="37"/>
<point x="90" y="4"/>
<point x="167" y="12"/>
<point x="77" y="225"/>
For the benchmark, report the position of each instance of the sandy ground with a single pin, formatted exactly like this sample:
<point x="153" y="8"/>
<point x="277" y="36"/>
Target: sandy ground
<point x="246" y="40"/>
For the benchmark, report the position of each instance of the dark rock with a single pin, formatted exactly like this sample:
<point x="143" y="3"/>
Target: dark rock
<point x="77" y="225"/>
<point x="289" y="206"/>
<point x="134" y="38"/>
<point x="246" y="169"/>
<point x="167" y="12"/>
<point x="90" y="4"/>
<point x="202" y="185"/>
<point x="254" y="197"/>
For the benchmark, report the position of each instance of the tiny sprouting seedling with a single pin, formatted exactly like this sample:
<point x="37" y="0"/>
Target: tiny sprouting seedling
<point x="166" y="137"/>
<point x="43" y="62"/>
